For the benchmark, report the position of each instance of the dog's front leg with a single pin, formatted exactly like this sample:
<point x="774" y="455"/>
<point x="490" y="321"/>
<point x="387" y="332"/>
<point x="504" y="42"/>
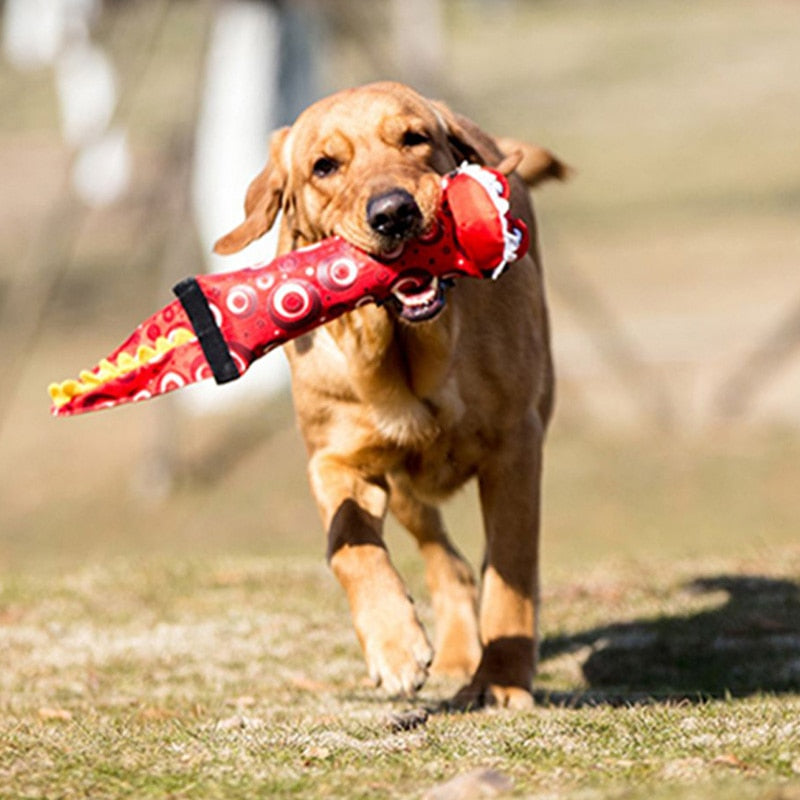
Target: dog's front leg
<point x="451" y="584"/>
<point x="509" y="492"/>
<point x="395" y="646"/>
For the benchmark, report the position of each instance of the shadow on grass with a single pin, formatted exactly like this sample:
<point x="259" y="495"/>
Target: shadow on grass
<point x="749" y="645"/>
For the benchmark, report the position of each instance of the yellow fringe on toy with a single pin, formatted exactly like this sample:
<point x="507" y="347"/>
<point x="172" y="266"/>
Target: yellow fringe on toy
<point x="62" y="393"/>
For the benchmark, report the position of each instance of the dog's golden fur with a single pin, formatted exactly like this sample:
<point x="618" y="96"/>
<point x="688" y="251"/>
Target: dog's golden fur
<point x="397" y="415"/>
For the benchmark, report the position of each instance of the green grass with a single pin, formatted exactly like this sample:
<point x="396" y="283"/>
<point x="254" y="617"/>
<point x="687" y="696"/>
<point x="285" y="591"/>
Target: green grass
<point x="242" y="678"/>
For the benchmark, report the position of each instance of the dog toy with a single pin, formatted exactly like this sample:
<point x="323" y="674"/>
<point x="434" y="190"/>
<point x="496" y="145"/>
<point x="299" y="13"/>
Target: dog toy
<point x="221" y="323"/>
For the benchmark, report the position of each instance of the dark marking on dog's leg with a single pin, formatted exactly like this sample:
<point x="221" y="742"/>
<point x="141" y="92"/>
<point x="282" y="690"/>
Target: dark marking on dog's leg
<point x="352" y="526"/>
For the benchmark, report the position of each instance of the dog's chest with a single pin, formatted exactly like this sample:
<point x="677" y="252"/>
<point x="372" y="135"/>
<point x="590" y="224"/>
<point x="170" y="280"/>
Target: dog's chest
<point x="408" y="420"/>
<point x="441" y="453"/>
<point x="444" y="464"/>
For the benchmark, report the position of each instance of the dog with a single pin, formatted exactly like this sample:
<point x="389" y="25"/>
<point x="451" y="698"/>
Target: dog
<point x="400" y="405"/>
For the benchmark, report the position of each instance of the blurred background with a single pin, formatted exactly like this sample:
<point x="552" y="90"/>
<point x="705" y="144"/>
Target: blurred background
<point x="129" y="132"/>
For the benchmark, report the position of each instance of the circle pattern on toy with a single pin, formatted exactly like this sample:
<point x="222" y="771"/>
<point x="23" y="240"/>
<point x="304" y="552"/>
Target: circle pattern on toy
<point x="170" y="381"/>
<point x="242" y="301"/>
<point x="433" y="234"/>
<point x="338" y="275"/>
<point x="294" y="303"/>
<point x="200" y="369"/>
<point x="265" y="282"/>
<point x="216" y="313"/>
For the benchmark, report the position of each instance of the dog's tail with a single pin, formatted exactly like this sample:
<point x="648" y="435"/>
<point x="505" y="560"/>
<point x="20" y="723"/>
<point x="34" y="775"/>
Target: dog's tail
<point x="532" y="163"/>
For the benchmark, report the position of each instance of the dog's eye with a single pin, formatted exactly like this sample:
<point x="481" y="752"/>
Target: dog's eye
<point x="415" y="138"/>
<point x="325" y="166"/>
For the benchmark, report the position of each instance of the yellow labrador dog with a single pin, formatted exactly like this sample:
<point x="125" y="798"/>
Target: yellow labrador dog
<point x="400" y="405"/>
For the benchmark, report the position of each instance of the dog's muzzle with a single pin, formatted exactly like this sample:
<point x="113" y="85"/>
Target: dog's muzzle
<point x="394" y="214"/>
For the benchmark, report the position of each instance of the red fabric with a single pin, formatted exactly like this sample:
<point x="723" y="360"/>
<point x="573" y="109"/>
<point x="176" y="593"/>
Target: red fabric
<point x="262" y="307"/>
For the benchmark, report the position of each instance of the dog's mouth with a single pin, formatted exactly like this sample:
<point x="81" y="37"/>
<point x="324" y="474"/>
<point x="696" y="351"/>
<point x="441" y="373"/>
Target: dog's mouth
<point x="419" y="297"/>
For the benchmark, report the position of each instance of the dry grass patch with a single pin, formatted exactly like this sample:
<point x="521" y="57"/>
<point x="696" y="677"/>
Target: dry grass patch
<point x="242" y="678"/>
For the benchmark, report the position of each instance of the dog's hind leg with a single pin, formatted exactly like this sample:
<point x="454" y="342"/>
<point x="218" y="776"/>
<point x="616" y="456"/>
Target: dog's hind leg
<point x="450" y="581"/>
<point x="509" y="484"/>
<point x="395" y="646"/>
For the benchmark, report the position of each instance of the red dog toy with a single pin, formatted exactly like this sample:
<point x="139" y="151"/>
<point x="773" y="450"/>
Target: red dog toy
<point x="221" y="323"/>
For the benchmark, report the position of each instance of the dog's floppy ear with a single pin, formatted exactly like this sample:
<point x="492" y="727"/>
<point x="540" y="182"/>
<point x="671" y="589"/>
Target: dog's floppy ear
<point x="467" y="141"/>
<point x="262" y="202"/>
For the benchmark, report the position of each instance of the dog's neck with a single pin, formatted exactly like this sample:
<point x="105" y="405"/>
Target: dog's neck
<point x="398" y="369"/>
<point x="402" y="370"/>
<point x="386" y="354"/>
<point x="399" y="372"/>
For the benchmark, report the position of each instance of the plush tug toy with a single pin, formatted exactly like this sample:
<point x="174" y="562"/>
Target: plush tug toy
<point x="221" y="323"/>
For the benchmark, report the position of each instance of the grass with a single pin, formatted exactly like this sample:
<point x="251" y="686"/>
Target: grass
<point x="229" y="678"/>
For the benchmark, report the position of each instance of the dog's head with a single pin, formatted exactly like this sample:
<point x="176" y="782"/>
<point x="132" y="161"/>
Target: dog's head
<point x="364" y="164"/>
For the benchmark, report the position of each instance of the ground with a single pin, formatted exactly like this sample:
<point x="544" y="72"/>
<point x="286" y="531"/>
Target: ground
<point x="241" y="677"/>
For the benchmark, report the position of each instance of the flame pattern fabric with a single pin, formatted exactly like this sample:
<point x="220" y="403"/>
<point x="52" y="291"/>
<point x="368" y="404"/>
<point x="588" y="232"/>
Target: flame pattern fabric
<point x="221" y="323"/>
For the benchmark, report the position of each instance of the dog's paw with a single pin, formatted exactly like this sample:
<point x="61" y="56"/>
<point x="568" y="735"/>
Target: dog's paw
<point x="503" y="678"/>
<point x="476" y="695"/>
<point x="398" y="659"/>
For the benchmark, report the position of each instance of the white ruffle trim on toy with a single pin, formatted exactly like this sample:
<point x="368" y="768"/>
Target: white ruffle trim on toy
<point x="495" y="189"/>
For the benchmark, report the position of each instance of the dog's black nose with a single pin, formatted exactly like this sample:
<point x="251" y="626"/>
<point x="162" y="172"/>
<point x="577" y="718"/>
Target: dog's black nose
<point x="393" y="213"/>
